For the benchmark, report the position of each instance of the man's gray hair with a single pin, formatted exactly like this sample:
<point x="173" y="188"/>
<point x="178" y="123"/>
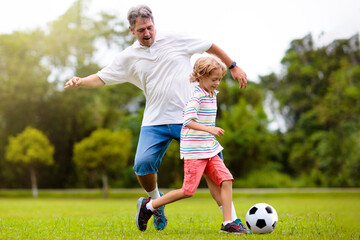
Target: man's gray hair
<point x="141" y="11"/>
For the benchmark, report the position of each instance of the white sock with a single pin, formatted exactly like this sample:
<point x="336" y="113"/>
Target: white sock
<point x="154" y="194"/>
<point x="226" y="222"/>
<point x="149" y="206"/>
<point x="233" y="212"/>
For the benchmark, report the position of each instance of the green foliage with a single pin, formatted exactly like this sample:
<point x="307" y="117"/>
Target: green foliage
<point x="35" y="64"/>
<point x="31" y="147"/>
<point x="23" y="80"/>
<point x="247" y="142"/>
<point x="103" y="149"/>
<point x="268" y="176"/>
<point x="319" y="98"/>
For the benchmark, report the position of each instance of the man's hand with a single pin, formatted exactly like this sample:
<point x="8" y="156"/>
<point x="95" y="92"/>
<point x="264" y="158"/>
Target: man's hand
<point x="239" y="75"/>
<point x="73" y="83"/>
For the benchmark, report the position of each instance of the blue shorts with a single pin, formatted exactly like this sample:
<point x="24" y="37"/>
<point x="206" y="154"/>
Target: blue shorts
<point x="153" y="142"/>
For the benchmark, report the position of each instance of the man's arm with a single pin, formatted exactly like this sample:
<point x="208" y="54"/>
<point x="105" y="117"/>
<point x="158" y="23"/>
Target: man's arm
<point x="237" y="73"/>
<point x="91" y="81"/>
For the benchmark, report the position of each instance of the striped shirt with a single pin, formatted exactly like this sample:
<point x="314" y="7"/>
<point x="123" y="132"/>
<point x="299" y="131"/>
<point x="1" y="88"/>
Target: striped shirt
<point x="196" y="144"/>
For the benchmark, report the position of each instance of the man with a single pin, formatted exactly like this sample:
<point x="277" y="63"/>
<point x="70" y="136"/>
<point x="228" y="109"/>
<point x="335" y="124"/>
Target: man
<point x="160" y="66"/>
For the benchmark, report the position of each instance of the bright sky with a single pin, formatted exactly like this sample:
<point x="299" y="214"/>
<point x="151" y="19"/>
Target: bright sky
<point x="254" y="33"/>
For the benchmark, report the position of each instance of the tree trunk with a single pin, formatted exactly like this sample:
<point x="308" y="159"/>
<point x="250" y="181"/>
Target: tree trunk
<point x="33" y="183"/>
<point x="105" y="185"/>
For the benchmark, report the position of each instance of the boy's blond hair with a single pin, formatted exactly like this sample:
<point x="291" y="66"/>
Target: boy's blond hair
<point x="204" y="66"/>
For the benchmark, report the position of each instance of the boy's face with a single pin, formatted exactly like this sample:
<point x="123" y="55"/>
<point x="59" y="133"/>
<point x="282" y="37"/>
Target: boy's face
<point x="211" y="82"/>
<point x="144" y="31"/>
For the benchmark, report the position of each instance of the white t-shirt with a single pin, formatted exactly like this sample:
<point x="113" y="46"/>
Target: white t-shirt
<point x="161" y="72"/>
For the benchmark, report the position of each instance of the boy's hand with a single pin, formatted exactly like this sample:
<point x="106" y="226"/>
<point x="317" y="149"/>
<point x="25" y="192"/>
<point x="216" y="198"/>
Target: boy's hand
<point x="216" y="131"/>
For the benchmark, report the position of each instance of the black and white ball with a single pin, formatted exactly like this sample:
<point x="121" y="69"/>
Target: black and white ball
<point x="261" y="218"/>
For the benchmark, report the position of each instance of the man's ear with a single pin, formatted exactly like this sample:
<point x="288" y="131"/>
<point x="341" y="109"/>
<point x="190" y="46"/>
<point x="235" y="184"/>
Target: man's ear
<point x="131" y="30"/>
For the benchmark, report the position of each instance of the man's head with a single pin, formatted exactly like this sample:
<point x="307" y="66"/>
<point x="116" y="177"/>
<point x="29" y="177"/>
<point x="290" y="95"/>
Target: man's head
<point x="142" y="24"/>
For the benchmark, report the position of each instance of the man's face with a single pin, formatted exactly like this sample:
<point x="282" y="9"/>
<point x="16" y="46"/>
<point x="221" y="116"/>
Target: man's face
<point x="144" y="31"/>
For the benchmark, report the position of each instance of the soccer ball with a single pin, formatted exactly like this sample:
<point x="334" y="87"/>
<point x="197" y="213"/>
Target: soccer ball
<point x="261" y="218"/>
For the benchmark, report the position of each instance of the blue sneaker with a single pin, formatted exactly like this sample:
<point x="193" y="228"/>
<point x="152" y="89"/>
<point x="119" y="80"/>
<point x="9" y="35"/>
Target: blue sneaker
<point x="142" y="213"/>
<point x="242" y="226"/>
<point x="160" y="220"/>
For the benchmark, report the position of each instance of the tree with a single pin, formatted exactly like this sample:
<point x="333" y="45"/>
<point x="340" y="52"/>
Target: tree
<point x="247" y="141"/>
<point x="30" y="148"/>
<point x="319" y="99"/>
<point x="34" y="66"/>
<point x="103" y="151"/>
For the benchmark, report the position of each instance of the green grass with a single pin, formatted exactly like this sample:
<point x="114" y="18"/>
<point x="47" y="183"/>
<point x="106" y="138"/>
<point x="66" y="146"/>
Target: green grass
<point x="302" y="215"/>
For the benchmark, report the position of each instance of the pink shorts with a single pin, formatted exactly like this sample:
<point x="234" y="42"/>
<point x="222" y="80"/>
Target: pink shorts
<point x="213" y="167"/>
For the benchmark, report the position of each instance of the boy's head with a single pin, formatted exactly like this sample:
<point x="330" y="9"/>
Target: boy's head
<point x="142" y="26"/>
<point x="205" y="66"/>
<point x="208" y="71"/>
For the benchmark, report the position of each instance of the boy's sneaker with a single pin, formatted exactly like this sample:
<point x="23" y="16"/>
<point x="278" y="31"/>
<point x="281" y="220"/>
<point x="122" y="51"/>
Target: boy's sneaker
<point x="160" y="220"/>
<point x="232" y="228"/>
<point x="142" y="214"/>
<point x="242" y="226"/>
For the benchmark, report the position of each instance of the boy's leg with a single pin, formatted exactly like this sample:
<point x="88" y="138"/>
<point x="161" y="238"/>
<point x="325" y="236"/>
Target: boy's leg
<point x="148" y="207"/>
<point x="221" y="176"/>
<point x="216" y="194"/>
<point x="226" y="198"/>
<point x="193" y="171"/>
<point x="169" y="197"/>
<point x="213" y="188"/>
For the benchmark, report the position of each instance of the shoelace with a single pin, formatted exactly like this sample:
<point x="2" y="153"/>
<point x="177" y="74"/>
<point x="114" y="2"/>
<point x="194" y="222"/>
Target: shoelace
<point x="147" y="214"/>
<point x="235" y="227"/>
<point x="242" y="226"/>
<point x="158" y="213"/>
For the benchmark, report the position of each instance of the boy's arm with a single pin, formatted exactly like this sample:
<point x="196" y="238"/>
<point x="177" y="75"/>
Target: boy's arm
<point x="91" y="81"/>
<point x="237" y="73"/>
<point x="216" y="131"/>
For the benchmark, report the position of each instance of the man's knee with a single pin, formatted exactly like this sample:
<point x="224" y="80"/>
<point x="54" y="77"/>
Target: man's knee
<point x="144" y="166"/>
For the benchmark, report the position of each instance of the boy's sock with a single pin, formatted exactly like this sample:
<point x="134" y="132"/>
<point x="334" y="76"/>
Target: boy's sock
<point x="149" y="206"/>
<point x="154" y="194"/>
<point x="233" y="212"/>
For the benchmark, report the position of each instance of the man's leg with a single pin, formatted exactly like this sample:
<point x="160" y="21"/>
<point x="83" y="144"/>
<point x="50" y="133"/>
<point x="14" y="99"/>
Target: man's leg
<point x="148" y="182"/>
<point x="153" y="142"/>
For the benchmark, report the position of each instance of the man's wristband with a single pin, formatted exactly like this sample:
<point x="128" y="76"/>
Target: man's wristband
<point x="232" y="65"/>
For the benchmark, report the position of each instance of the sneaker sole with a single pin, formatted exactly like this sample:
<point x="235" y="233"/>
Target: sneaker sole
<point x="222" y="231"/>
<point x="138" y="206"/>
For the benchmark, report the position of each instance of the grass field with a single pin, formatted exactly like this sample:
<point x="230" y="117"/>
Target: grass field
<point x="332" y="214"/>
